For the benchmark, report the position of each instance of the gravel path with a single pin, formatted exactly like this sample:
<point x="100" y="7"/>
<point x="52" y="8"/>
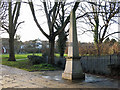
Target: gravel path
<point x="16" y="78"/>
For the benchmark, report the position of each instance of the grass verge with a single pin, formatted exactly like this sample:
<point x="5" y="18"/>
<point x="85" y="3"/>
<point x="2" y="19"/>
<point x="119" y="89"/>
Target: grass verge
<point x="25" y="64"/>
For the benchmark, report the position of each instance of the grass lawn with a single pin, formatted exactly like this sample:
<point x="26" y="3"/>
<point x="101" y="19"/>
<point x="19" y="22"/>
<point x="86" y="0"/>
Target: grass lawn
<point x="24" y="64"/>
<point x="22" y="56"/>
<point x="18" y="56"/>
<point x="58" y="55"/>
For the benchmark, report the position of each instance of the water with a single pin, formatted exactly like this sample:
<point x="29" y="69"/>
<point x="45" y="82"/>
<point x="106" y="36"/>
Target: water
<point x="93" y="79"/>
<point x="56" y="78"/>
<point x="89" y="79"/>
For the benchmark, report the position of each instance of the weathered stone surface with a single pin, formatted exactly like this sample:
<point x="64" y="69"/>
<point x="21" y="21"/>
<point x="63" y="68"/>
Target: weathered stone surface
<point x="73" y="42"/>
<point x="73" y="69"/>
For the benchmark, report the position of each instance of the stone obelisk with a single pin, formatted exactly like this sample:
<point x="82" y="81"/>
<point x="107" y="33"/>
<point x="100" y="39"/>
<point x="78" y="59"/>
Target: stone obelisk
<point x="73" y="69"/>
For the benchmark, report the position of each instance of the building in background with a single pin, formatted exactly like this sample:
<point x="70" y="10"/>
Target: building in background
<point x="4" y="42"/>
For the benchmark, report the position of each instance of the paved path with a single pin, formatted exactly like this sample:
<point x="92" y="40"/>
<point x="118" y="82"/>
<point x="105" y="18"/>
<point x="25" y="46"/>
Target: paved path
<point x="16" y="78"/>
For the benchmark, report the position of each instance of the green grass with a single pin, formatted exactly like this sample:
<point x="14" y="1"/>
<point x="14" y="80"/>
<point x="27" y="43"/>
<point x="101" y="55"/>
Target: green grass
<point x="19" y="56"/>
<point x="25" y="64"/>
<point x="58" y="55"/>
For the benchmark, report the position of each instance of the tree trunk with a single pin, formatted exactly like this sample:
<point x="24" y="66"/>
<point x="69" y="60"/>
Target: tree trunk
<point x="62" y="55"/>
<point x="51" y="52"/>
<point x="62" y="38"/>
<point x="98" y="48"/>
<point x="11" y="49"/>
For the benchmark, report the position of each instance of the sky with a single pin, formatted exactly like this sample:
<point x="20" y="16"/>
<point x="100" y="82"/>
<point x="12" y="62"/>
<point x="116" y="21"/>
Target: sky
<point x="29" y="31"/>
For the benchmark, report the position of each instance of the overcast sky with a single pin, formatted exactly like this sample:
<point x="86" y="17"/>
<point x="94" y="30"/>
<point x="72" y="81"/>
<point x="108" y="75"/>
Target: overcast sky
<point x="29" y="30"/>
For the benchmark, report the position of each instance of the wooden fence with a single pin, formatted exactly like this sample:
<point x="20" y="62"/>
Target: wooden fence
<point x="94" y="64"/>
<point x="99" y="64"/>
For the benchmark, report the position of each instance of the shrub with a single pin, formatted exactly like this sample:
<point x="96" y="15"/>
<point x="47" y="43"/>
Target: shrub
<point x="114" y="69"/>
<point x="59" y="63"/>
<point x="33" y="59"/>
<point x="44" y="54"/>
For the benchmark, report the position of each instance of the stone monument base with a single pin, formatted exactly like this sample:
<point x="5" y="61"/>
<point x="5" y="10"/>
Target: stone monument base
<point x="73" y="69"/>
<point x="71" y="76"/>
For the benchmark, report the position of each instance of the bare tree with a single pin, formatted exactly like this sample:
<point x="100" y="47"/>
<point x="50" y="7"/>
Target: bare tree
<point x="12" y="25"/>
<point x="3" y="14"/>
<point x="98" y="12"/>
<point x="52" y="14"/>
<point x="62" y="37"/>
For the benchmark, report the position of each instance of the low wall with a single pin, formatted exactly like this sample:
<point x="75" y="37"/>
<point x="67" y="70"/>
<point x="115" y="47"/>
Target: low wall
<point x="94" y="64"/>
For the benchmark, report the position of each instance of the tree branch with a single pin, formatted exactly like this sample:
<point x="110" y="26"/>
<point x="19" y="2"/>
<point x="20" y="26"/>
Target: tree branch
<point x="47" y="14"/>
<point x="5" y="29"/>
<point x="55" y="16"/>
<point x="14" y="10"/>
<point x="18" y="26"/>
<point x="35" y="19"/>
<point x="17" y="14"/>
<point x="67" y="20"/>
<point x="111" y="34"/>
